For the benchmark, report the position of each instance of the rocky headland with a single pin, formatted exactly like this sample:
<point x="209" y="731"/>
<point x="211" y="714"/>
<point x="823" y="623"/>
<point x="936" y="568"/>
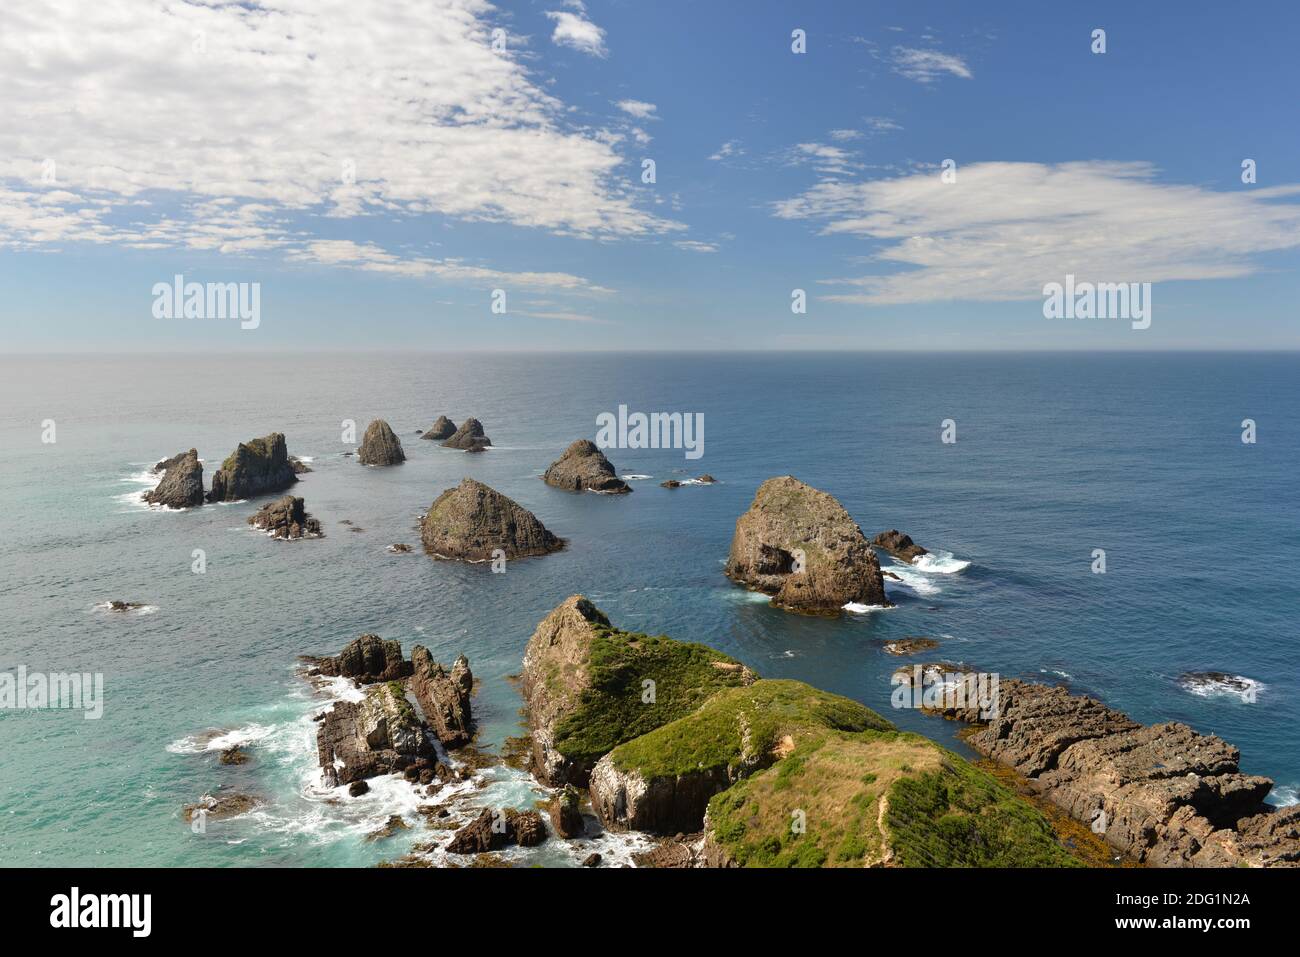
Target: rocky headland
<point x="469" y="437"/>
<point x="584" y="467"/>
<point x="257" y="467"/>
<point x="471" y="521"/>
<point x="182" y="482"/>
<point x="380" y="446"/>
<point x="798" y="544"/>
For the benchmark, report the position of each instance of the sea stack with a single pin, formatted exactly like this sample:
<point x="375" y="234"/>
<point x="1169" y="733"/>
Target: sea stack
<point x="444" y="428"/>
<point x="182" y="482"/>
<point x="469" y="437"/>
<point x="800" y="546"/>
<point x="380" y="446"/>
<point x="583" y="467"/>
<point x="471" y="521"/>
<point x="286" y="518"/>
<point x="256" y="467"/>
<point x="899" y="545"/>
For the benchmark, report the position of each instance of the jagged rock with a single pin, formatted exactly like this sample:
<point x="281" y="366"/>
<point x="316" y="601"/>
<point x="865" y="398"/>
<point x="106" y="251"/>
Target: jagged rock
<point x="469" y="437"/>
<point x="162" y="465"/>
<point x="471" y="521"/>
<point x="257" y="467"/>
<point x="222" y="805"/>
<point x="235" y="755"/>
<point x="583" y="466"/>
<point x="391" y="827"/>
<point x="706" y="479"/>
<point x="789" y="520"/>
<point x="910" y="646"/>
<point x="670" y="483"/>
<point x="1164" y="793"/>
<point x="368" y="659"/>
<point x="444" y="697"/>
<point x="378" y="735"/>
<point x="358" y="788"/>
<point x="493" y="830"/>
<point x="528" y="828"/>
<point x="582" y="685"/>
<point x="566" y="814"/>
<point x="899" y="545"/>
<point x="380" y="446"/>
<point x="286" y="518"/>
<point x="442" y="429"/>
<point x="182" y="483"/>
<point x="591" y="860"/>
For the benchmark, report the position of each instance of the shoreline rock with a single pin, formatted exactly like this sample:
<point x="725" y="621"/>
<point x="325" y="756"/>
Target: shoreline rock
<point x="789" y="520"/>
<point x="380" y="446"/>
<point x="443" y="696"/>
<point x="899" y="545"/>
<point x="469" y="437"/>
<point x="182" y="482"/>
<point x="584" y="467"/>
<point x="472" y="520"/>
<point x="286" y="518"/>
<point x="257" y="467"/>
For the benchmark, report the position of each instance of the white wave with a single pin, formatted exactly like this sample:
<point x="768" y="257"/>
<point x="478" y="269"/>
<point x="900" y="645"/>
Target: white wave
<point x="860" y="609"/>
<point x="911" y="579"/>
<point x="635" y="477"/>
<point x="1285" y="795"/>
<point x="940" y="563"/>
<point x="220" y="740"/>
<point x="1055" y="671"/>
<point x="1235" y="686"/>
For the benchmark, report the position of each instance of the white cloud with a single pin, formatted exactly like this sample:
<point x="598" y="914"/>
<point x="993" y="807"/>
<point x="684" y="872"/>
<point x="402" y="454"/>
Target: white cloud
<point x="728" y="149"/>
<point x="881" y="124"/>
<point x="237" y="122"/>
<point x="1002" y="230"/>
<point x="694" y="246"/>
<point x="576" y="31"/>
<point x="638" y="108"/>
<point x="926" y="66"/>
<point x="830" y="160"/>
<point x="844" y="136"/>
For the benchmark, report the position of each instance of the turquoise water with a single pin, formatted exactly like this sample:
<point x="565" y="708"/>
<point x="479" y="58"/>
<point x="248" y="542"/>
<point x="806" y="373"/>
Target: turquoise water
<point x="1055" y="456"/>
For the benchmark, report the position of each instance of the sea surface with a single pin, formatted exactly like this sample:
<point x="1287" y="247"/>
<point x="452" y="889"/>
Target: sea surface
<point x="1056" y="455"/>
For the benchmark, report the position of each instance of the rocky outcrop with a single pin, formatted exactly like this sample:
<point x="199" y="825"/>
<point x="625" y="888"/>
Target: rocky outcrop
<point x="800" y="546"/>
<point x="380" y="446"/>
<point x="493" y="830"/>
<point x="471" y="521"/>
<point x="469" y="437"/>
<point x="257" y="467"/>
<point x="583" y="467"/>
<point x="286" y="518"/>
<point x="662" y="781"/>
<point x="444" y="696"/>
<point x="118" y="605"/>
<point x="182" y="483"/>
<point x="910" y="646"/>
<point x="565" y="810"/>
<point x="221" y="805"/>
<point x="378" y="735"/>
<point x="298" y="465"/>
<point x="444" y="428"/>
<point x="1164" y="794"/>
<point x="899" y="545"/>
<point x="368" y="659"/>
<point x="583" y="687"/>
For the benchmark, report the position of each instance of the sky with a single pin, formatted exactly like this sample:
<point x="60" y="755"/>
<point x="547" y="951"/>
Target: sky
<point x="386" y="172"/>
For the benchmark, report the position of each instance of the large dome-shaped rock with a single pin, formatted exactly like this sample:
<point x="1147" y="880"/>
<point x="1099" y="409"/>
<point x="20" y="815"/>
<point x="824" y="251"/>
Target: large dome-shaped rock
<point x="583" y="466"/>
<point x="471" y="521"/>
<point x="800" y="546"/>
<point x="286" y="518"/>
<point x="469" y="437"/>
<point x="444" y="428"/>
<point x="444" y="696"/>
<point x="257" y="467"/>
<point x="899" y="545"/>
<point x="182" y="482"/>
<point x="585" y="693"/>
<point x="379" y="446"/>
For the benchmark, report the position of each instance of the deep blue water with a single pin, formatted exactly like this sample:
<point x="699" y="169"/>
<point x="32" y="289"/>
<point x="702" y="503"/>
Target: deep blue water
<point x="1055" y="455"/>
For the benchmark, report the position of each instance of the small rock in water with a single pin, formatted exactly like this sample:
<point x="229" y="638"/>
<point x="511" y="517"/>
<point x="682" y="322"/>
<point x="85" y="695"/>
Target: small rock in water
<point x="235" y="755"/>
<point x="358" y="788"/>
<point x="116" y="605"/>
<point x="592" y="860"/>
<point x="393" y="825"/>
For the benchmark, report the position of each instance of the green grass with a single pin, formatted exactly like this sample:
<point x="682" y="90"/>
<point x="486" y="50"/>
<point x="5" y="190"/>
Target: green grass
<point x="610" y="710"/>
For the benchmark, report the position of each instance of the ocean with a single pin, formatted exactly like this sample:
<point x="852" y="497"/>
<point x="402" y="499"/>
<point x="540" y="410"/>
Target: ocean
<point x="1055" y="456"/>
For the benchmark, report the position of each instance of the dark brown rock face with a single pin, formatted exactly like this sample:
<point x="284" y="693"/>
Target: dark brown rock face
<point x="377" y="735"/>
<point x="223" y="804"/>
<point x="257" y="467"/>
<point x="444" y="696"/>
<point x="583" y="467"/>
<point x="380" y="446"/>
<point x="442" y="429"/>
<point x="662" y="805"/>
<point x="182" y="482"/>
<point x="1164" y="793"/>
<point x="368" y="659"/>
<point x="493" y="830"/>
<point x="899" y="545"/>
<point x="469" y="437"/>
<point x="566" y="814"/>
<point x="800" y="546"/>
<point x="469" y="522"/>
<point x="286" y="518"/>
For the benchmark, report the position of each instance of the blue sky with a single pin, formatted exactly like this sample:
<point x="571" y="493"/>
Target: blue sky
<point x="214" y="141"/>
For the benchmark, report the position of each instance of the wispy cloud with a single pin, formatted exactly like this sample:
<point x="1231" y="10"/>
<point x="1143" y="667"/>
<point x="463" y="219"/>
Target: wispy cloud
<point x="1004" y="229"/>
<point x="926" y="66"/>
<point x="638" y="108"/>
<point x="728" y="149"/>
<point x="692" y="245"/>
<point x="574" y="30"/>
